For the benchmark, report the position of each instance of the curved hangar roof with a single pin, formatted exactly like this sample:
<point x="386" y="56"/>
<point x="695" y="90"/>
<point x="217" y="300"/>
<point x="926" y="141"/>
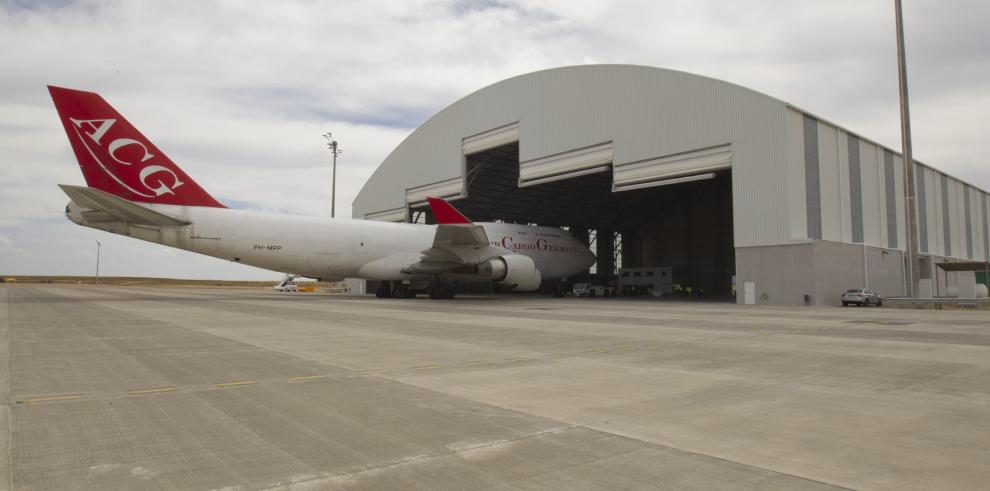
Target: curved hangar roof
<point x="637" y="126"/>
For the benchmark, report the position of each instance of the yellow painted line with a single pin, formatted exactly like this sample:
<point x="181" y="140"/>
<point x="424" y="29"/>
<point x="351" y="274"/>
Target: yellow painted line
<point x="518" y="358"/>
<point x="310" y="377"/>
<point x="595" y="352"/>
<point x="65" y="397"/>
<point x="628" y="348"/>
<point x="153" y="390"/>
<point x="658" y="345"/>
<point x="475" y="363"/>
<point x="559" y="355"/>
<point x="235" y="384"/>
<point x="427" y="367"/>
<point x="367" y="373"/>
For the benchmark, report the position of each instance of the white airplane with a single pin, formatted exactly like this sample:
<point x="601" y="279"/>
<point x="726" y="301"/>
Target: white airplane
<point x="135" y="190"/>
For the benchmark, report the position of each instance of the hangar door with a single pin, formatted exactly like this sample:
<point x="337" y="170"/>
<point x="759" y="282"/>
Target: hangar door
<point x="674" y="211"/>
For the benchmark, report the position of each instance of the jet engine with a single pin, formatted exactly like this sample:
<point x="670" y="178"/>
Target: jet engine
<point x="514" y="270"/>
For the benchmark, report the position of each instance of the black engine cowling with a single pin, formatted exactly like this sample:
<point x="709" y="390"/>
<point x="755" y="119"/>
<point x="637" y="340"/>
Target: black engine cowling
<point x="514" y="270"/>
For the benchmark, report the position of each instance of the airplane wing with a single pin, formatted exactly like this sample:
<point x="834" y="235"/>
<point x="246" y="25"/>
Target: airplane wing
<point x="457" y="242"/>
<point x="100" y="206"/>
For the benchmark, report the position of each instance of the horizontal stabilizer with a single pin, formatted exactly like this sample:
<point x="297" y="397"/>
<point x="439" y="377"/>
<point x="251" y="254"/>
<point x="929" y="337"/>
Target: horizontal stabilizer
<point x="100" y="206"/>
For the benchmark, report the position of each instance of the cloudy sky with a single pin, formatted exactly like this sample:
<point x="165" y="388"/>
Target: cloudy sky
<point x="238" y="93"/>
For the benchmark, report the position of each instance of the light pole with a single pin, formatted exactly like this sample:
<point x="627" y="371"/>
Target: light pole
<point x="335" y="150"/>
<point x="97" y="262"/>
<point x="912" y="220"/>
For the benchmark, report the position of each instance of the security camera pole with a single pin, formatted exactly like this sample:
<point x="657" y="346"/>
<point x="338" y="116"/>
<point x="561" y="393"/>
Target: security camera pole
<point x="332" y="145"/>
<point x="909" y="182"/>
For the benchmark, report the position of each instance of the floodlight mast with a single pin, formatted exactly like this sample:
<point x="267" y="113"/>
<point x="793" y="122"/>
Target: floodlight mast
<point x="914" y="275"/>
<point x="335" y="150"/>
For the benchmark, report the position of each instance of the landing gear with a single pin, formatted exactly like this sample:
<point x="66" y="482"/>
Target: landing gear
<point x="442" y="292"/>
<point x="403" y="291"/>
<point x="384" y="290"/>
<point x="438" y="289"/>
<point x="395" y="289"/>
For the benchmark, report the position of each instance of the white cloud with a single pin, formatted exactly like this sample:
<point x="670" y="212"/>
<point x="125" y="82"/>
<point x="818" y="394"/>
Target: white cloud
<point x="238" y="93"/>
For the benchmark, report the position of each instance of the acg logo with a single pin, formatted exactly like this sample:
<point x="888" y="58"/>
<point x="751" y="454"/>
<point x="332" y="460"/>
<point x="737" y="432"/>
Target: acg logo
<point x="94" y="131"/>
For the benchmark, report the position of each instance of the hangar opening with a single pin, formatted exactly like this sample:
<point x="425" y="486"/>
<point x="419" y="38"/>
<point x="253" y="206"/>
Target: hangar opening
<point x="684" y="226"/>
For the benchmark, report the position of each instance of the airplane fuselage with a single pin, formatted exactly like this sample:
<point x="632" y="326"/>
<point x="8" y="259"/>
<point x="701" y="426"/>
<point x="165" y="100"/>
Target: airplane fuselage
<point x="336" y="249"/>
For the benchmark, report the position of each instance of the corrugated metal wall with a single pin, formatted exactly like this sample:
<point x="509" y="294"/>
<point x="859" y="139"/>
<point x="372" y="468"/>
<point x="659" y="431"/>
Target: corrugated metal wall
<point x="649" y="113"/>
<point x="951" y="219"/>
<point x="645" y="112"/>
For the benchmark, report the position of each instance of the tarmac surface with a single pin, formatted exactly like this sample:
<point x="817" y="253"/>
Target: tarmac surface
<point x="185" y="388"/>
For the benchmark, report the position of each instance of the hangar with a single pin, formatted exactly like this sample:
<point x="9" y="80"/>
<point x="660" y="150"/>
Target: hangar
<point x="744" y="196"/>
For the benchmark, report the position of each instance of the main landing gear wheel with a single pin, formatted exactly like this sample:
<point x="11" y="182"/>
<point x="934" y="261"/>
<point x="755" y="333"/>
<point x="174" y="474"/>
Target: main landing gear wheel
<point x="383" y="291"/>
<point x="438" y="292"/>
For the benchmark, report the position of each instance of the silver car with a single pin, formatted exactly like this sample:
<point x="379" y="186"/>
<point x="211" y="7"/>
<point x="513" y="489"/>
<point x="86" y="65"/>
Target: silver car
<point x="861" y="297"/>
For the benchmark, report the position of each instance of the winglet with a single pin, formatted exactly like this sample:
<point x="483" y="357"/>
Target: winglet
<point x="445" y="213"/>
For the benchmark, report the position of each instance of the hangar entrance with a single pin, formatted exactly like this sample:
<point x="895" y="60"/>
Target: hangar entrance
<point x="685" y="226"/>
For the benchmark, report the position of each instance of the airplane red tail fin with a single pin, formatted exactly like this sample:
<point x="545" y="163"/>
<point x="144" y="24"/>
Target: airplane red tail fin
<point x="116" y="158"/>
<point x="445" y="213"/>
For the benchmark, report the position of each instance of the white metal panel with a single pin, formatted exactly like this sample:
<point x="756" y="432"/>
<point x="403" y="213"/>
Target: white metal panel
<point x="682" y="164"/>
<point x="831" y="184"/>
<point x="797" y="207"/>
<point x="666" y="182"/>
<point x="934" y="209"/>
<point x="959" y="220"/>
<point x="395" y="215"/>
<point x="936" y="220"/>
<point x="491" y="139"/>
<point x="450" y="188"/>
<point x="979" y="226"/>
<point x="843" y="195"/>
<point x="986" y="225"/>
<point x="901" y="202"/>
<point x="975" y="217"/>
<point x="882" y="183"/>
<point x="569" y="175"/>
<point x="872" y="195"/>
<point x="955" y="218"/>
<point x="566" y="162"/>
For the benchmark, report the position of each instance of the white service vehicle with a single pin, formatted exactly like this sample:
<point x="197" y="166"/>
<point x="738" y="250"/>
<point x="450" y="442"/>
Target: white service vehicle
<point x="645" y="281"/>
<point x="590" y="290"/>
<point x="134" y="189"/>
<point x="286" y="285"/>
